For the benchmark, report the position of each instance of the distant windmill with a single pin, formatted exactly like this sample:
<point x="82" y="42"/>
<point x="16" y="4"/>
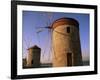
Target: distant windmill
<point x="33" y="53"/>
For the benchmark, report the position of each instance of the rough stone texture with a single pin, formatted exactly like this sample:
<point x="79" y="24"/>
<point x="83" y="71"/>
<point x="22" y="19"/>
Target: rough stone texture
<point x="64" y="43"/>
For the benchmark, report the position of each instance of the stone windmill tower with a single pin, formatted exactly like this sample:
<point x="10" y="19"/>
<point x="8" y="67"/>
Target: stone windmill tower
<point x="66" y="43"/>
<point x="33" y="59"/>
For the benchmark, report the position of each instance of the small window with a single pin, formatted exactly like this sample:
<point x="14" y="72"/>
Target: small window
<point x="68" y="29"/>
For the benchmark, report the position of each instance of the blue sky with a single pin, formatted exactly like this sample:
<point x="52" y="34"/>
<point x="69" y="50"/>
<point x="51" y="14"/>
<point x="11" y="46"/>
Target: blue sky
<point x="32" y="20"/>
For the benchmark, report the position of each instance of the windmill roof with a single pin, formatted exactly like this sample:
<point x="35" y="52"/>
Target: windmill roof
<point x="65" y="20"/>
<point x="34" y="47"/>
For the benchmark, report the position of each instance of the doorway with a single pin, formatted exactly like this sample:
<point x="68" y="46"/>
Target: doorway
<point x="69" y="59"/>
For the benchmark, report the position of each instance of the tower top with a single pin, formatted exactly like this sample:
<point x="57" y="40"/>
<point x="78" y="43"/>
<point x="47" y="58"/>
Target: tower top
<point x="65" y="20"/>
<point x="34" y="47"/>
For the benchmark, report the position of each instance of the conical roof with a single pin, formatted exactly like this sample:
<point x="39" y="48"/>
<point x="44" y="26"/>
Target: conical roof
<point x="65" y="20"/>
<point x="34" y="47"/>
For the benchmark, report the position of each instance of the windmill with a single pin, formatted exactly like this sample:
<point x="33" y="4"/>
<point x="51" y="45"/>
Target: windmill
<point x="65" y="42"/>
<point x="32" y="52"/>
